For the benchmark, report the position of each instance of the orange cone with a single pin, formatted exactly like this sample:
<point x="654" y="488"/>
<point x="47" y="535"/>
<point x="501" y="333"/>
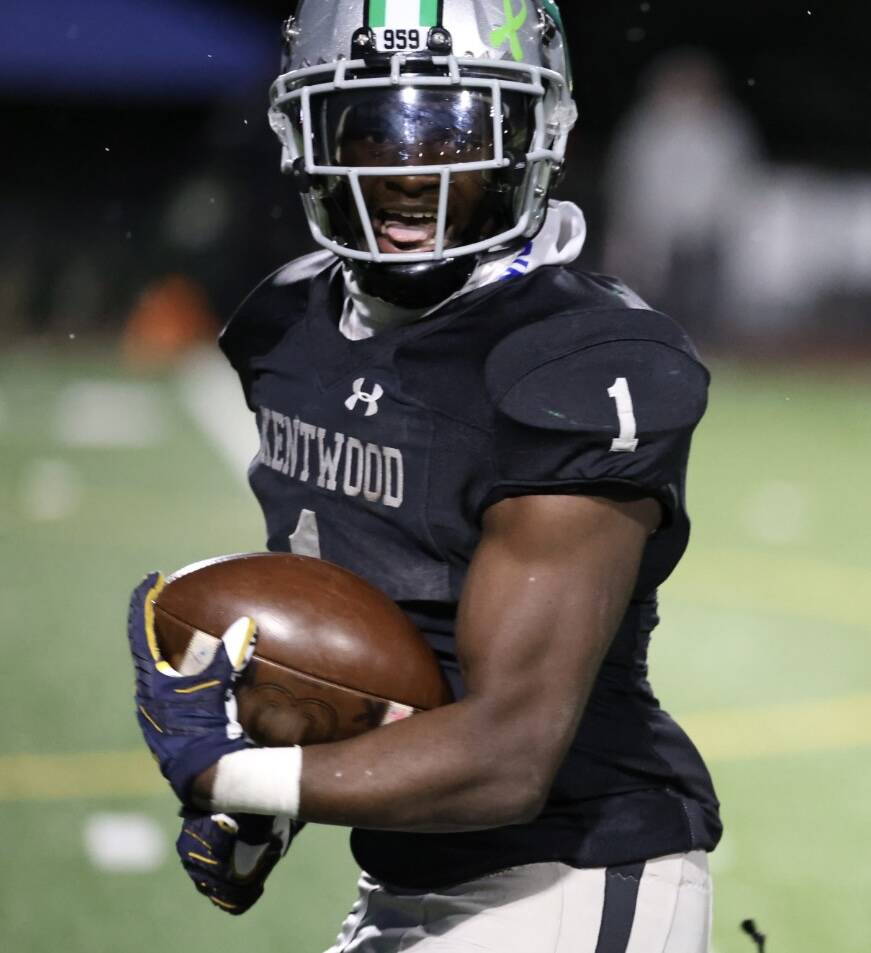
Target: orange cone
<point x="173" y="316"/>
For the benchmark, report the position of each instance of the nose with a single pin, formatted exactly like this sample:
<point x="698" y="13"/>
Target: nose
<point x="414" y="186"/>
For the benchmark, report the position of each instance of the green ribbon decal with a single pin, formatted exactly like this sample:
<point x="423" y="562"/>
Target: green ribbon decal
<point x="508" y="33"/>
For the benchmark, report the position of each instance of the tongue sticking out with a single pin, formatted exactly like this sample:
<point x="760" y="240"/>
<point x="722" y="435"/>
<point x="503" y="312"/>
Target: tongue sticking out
<point x="406" y="232"/>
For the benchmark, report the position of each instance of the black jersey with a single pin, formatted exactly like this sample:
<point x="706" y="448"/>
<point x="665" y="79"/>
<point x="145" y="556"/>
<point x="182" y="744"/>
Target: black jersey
<point x="382" y="455"/>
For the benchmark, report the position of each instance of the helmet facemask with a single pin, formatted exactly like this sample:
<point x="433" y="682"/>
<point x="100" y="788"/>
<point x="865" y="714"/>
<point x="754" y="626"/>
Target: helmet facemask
<point x="413" y="129"/>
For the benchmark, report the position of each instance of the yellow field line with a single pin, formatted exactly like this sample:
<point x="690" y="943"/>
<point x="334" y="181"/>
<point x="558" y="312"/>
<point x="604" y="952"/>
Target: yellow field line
<point x="724" y="735"/>
<point x="739" y="734"/>
<point x="56" y="777"/>
<point x="778" y="583"/>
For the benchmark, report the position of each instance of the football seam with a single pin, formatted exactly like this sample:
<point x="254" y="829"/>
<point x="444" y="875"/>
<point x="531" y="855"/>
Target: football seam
<point x="322" y="681"/>
<point x="315" y="678"/>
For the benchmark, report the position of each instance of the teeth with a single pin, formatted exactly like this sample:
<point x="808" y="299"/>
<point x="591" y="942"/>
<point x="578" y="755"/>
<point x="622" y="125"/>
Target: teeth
<point x="427" y="216"/>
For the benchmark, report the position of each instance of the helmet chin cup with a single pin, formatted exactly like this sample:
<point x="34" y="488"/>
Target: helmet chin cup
<point x="422" y="284"/>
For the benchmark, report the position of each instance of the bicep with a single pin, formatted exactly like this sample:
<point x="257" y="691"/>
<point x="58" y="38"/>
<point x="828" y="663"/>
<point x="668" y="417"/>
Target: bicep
<point x="546" y="591"/>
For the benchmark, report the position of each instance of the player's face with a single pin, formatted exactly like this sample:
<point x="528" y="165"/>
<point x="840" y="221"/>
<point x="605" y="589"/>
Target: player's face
<point x="418" y="128"/>
<point x="404" y="209"/>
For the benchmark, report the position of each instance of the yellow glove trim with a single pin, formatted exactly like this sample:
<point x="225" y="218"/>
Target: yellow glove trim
<point x="196" y="688"/>
<point x="223" y="904"/>
<point x="197" y="837"/>
<point x="151" y="635"/>
<point x="203" y="860"/>
<point x="151" y="721"/>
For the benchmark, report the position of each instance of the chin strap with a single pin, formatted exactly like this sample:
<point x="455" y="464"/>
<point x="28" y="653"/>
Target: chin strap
<point x="420" y="285"/>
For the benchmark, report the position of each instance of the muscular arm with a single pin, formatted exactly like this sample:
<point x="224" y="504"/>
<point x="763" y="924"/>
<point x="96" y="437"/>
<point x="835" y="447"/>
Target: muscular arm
<point x="547" y="589"/>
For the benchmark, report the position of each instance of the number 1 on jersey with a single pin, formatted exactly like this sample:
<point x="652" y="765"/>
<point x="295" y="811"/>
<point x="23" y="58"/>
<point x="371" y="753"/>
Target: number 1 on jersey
<point x="305" y="540"/>
<point x="627" y="442"/>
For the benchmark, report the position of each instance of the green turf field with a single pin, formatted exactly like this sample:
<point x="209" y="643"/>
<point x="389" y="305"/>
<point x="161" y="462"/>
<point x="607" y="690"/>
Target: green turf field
<point x="763" y="652"/>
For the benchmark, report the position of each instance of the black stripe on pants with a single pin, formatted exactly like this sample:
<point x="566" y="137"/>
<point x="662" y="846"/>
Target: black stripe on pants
<point x="618" y="912"/>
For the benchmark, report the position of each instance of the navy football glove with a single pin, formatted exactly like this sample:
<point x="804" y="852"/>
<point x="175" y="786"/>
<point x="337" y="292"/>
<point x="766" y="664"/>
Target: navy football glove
<point x="189" y="722"/>
<point x="229" y="858"/>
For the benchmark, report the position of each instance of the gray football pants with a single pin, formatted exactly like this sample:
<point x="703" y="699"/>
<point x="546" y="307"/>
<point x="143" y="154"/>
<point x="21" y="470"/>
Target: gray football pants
<point x="663" y="906"/>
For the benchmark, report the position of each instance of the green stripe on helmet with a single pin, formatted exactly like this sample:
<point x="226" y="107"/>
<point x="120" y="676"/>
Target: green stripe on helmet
<point x="377" y="13"/>
<point x="429" y="12"/>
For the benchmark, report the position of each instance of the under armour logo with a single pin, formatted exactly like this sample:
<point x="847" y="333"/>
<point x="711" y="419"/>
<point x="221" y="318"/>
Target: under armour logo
<point x="371" y="399"/>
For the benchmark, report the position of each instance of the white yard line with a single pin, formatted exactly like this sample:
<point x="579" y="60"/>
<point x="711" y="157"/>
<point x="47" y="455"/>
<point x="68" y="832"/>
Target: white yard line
<point x="124" y="843"/>
<point x="51" y="490"/>
<point x="777" y="512"/>
<point x="110" y="414"/>
<point x="212" y="395"/>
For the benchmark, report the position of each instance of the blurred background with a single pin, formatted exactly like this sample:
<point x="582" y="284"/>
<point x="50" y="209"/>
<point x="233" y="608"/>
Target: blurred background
<point x="724" y="162"/>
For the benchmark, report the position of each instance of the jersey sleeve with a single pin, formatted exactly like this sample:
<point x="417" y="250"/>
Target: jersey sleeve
<point x="602" y="404"/>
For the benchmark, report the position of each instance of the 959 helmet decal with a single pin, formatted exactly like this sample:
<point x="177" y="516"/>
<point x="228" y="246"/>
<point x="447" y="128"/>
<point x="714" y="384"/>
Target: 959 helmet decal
<point x="423" y="131"/>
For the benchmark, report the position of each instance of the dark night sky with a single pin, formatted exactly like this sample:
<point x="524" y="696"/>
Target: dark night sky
<point x="803" y="73"/>
<point x="808" y="63"/>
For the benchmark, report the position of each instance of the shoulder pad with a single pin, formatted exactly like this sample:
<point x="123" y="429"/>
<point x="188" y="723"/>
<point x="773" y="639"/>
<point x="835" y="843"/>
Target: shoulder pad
<point x="563" y="373"/>
<point x="264" y="317"/>
<point x="303" y="269"/>
<point x="625" y="295"/>
<point x="268" y="311"/>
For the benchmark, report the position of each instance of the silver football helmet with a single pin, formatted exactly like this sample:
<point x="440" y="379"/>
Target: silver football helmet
<point x="423" y="132"/>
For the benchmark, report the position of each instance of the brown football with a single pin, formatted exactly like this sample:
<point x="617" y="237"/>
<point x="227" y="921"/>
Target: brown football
<point x="335" y="657"/>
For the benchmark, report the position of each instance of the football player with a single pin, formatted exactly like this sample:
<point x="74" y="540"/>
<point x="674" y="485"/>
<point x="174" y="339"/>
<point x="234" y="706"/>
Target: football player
<point x="500" y="444"/>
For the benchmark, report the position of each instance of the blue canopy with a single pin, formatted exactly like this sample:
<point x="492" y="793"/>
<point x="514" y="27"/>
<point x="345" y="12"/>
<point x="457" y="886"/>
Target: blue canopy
<point x="183" y="49"/>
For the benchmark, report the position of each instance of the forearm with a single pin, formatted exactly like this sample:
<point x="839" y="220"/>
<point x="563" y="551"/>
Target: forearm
<point x="452" y="769"/>
<point x="444" y="770"/>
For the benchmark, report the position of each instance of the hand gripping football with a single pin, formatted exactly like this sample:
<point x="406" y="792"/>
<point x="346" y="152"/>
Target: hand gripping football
<point x="335" y="657"/>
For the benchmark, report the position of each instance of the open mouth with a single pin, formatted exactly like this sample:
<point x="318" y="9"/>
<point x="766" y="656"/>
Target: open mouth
<point x="406" y="230"/>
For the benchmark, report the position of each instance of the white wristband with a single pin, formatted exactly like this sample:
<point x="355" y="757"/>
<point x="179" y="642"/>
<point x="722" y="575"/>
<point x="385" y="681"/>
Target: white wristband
<point x="259" y="781"/>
